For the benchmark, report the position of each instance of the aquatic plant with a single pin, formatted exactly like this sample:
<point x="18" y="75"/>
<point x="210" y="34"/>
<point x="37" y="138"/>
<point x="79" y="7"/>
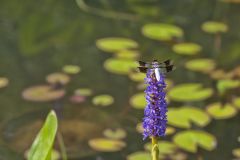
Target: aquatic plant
<point x="42" y="146"/>
<point x="155" y="118"/>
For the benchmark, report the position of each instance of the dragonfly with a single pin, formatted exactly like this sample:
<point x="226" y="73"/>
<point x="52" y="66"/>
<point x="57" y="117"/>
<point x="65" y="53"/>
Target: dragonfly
<point x="159" y="67"/>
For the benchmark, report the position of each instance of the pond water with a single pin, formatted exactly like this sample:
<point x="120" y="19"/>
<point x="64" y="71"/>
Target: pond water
<point x="40" y="38"/>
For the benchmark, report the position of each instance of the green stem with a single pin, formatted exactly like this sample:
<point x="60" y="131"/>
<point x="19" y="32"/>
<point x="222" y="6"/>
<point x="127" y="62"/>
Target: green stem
<point x="62" y="146"/>
<point x="155" y="150"/>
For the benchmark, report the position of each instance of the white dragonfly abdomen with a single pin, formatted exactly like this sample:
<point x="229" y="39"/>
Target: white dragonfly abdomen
<point x="157" y="73"/>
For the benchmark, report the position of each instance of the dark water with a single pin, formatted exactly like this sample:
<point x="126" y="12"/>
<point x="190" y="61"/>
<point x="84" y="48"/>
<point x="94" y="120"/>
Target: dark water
<point x="39" y="37"/>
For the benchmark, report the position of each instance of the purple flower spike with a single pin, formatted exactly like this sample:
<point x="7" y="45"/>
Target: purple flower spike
<point x="155" y="118"/>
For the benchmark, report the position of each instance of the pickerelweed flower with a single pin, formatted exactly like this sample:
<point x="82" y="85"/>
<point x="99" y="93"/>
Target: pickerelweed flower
<point x="155" y="118"/>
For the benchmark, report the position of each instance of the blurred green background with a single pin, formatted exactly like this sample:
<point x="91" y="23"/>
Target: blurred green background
<point x="79" y="58"/>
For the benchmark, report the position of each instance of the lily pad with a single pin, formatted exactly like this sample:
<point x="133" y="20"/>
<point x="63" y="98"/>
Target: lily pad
<point x="127" y="54"/>
<point x="115" y="134"/>
<point x="120" y="66"/>
<point x="201" y="65"/>
<point x="83" y="92"/>
<point x="170" y="130"/>
<point x="140" y="155"/>
<point x="226" y="84"/>
<point x="106" y="145"/>
<point x="187" y="48"/>
<point x="3" y="82"/>
<point x="220" y="74"/>
<point x="214" y="27"/>
<point x="161" y="31"/>
<point x="114" y="44"/>
<point x="236" y="152"/>
<point x="137" y="76"/>
<point x="189" y="140"/>
<point x="56" y="78"/>
<point x="165" y="147"/>
<point x="77" y="99"/>
<point x="236" y="102"/>
<point x="184" y="116"/>
<point x="103" y="100"/>
<point x="190" y="92"/>
<point x="138" y="101"/>
<point x="219" y="111"/>
<point x="42" y="93"/>
<point x="71" y="69"/>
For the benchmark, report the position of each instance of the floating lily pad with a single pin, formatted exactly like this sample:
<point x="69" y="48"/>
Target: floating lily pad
<point x="220" y="74"/>
<point x="115" y="134"/>
<point x="161" y="31"/>
<point x="71" y="69"/>
<point x="77" y="99"/>
<point x="56" y="78"/>
<point x="170" y="130"/>
<point x="127" y="54"/>
<point x="103" y="100"/>
<point x="138" y="101"/>
<point x="236" y="72"/>
<point x="140" y="155"/>
<point x="3" y="82"/>
<point x="114" y="44"/>
<point x="214" y="27"/>
<point x="200" y="65"/>
<point x="226" y="84"/>
<point x="191" y="139"/>
<point x="184" y="116"/>
<point x="83" y="92"/>
<point x="236" y="102"/>
<point x="120" y="66"/>
<point x="190" y="92"/>
<point x="137" y="76"/>
<point x="187" y="48"/>
<point x="42" y="93"/>
<point x="106" y="145"/>
<point x="236" y="152"/>
<point x="165" y="147"/>
<point x="219" y="111"/>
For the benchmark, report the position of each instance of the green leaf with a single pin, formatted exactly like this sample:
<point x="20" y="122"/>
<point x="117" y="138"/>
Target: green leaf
<point x="127" y="54"/>
<point x="120" y="66"/>
<point x="71" y="69"/>
<point x="106" y="145"/>
<point x="236" y="152"/>
<point x="103" y="100"/>
<point x="3" y="82"/>
<point x="220" y="111"/>
<point x="140" y="155"/>
<point x="138" y="101"/>
<point x="161" y="31"/>
<point x="187" y="48"/>
<point x="43" y="143"/>
<point x="236" y="102"/>
<point x="113" y="44"/>
<point x="184" y="116"/>
<point x="214" y="27"/>
<point x="189" y="140"/>
<point x="226" y="84"/>
<point x="118" y="133"/>
<point x="190" y="92"/>
<point x="203" y="65"/>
